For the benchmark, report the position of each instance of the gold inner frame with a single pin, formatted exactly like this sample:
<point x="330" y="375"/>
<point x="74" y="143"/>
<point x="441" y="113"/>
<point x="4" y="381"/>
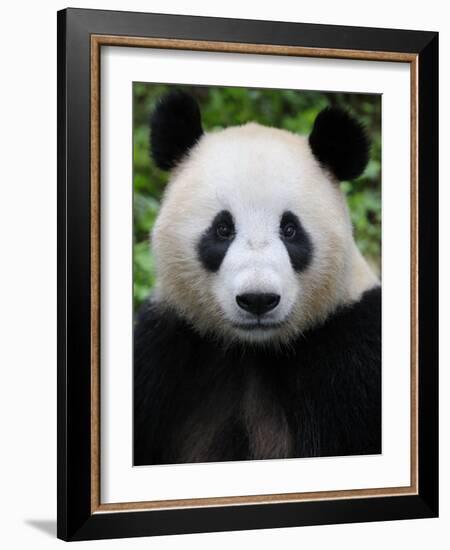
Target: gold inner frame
<point x="97" y="41"/>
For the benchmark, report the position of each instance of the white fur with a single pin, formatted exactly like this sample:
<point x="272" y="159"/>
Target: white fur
<point x="256" y="173"/>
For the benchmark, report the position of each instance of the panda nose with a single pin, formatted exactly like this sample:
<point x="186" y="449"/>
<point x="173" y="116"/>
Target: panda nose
<point x="258" y="303"/>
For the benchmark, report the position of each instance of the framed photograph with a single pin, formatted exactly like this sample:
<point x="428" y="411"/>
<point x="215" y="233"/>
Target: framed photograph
<point x="247" y="254"/>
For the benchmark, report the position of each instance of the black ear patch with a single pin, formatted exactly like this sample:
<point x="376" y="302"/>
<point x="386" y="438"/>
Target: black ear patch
<point x="175" y="127"/>
<point x="340" y="143"/>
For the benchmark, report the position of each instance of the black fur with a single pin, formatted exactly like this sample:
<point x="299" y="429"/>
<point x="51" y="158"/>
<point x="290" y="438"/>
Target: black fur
<point x="340" y="143"/>
<point x="197" y="401"/>
<point x="211" y="247"/>
<point x="300" y="247"/>
<point x="175" y="127"/>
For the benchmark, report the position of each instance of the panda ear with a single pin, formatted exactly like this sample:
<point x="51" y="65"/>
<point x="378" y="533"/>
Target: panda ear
<point x="175" y="127"/>
<point x="340" y="143"/>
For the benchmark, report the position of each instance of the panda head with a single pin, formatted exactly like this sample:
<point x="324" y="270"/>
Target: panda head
<point x="253" y="241"/>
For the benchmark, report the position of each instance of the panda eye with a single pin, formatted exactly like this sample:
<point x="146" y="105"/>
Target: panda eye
<point x="289" y="230"/>
<point x="224" y="231"/>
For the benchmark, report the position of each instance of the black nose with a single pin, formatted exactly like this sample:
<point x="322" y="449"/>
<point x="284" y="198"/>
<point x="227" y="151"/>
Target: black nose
<point x="258" y="303"/>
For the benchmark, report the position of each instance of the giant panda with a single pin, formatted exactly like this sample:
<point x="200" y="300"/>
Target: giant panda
<point x="262" y="338"/>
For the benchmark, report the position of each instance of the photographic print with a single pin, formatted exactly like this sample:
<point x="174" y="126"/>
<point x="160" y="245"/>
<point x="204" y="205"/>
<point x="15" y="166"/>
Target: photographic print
<point x="256" y="274"/>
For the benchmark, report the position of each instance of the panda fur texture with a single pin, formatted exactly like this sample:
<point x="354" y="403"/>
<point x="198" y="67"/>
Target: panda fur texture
<point x="262" y="338"/>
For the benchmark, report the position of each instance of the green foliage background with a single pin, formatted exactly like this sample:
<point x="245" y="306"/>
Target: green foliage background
<point x="222" y="107"/>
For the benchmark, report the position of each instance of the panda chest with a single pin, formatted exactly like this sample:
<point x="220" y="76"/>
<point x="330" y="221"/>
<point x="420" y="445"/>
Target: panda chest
<point x="265" y="421"/>
<point x="240" y="421"/>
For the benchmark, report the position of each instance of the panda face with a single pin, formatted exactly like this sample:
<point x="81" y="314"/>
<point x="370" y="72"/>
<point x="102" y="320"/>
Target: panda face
<point x="242" y="245"/>
<point x="253" y="241"/>
<point x="255" y="253"/>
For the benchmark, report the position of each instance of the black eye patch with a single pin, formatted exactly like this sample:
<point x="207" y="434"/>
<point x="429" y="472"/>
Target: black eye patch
<point x="296" y="240"/>
<point x="214" y="243"/>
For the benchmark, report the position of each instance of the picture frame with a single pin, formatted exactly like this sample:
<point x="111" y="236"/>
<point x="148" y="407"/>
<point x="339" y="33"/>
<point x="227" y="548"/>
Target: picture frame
<point x="81" y="36"/>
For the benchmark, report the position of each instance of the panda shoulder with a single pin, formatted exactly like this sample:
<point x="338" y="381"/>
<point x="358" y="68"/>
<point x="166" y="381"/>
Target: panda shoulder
<point x="363" y="317"/>
<point x="353" y="332"/>
<point x="368" y="308"/>
<point x="161" y="337"/>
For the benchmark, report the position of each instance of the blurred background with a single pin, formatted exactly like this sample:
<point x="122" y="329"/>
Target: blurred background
<point x="222" y="107"/>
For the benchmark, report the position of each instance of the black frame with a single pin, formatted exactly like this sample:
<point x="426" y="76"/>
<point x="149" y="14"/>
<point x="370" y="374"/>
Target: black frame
<point x="75" y="521"/>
